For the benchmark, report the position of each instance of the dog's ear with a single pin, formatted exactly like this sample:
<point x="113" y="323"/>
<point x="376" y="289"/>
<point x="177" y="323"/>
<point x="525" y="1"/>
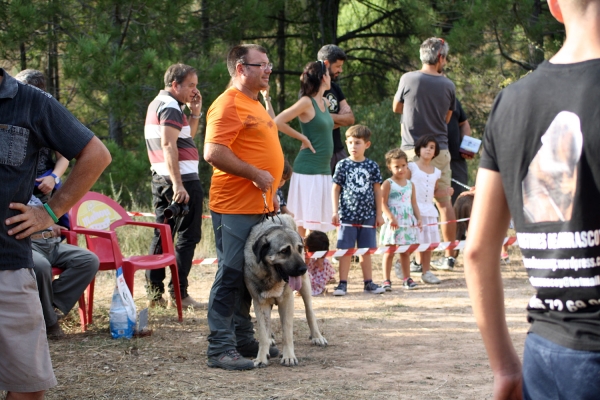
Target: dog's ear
<point x="261" y="248"/>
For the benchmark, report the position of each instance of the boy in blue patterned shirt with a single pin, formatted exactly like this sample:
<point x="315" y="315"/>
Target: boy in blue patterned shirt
<point x="357" y="200"/>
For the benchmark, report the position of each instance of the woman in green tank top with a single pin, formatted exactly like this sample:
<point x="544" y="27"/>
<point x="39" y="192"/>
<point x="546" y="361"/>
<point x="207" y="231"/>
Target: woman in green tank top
<point x="309" y="197"/>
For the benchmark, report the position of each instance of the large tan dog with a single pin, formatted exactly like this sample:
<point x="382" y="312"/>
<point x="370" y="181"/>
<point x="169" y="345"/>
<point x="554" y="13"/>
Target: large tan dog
<point x="274" y="269"/>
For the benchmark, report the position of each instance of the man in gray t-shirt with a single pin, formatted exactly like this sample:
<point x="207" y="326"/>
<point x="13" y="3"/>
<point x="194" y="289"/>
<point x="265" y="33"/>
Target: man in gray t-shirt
<point x="426" y="99"/>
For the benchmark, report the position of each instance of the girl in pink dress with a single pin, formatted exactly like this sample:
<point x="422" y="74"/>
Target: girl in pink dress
<point x="320" y="270"/>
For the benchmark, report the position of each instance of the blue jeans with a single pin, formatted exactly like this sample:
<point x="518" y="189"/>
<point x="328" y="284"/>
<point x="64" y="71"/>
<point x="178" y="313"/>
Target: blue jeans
<point x="552" y="372"/>
<point x="350" y="237"/>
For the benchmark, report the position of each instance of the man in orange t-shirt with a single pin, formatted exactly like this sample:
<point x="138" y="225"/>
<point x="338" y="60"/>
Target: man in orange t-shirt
<point x="242" y="145"/>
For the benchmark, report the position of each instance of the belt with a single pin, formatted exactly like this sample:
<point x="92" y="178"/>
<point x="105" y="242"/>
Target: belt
<point x="42" y="235"/>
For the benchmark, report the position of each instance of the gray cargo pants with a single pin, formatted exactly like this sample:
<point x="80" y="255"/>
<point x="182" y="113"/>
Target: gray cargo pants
<point x="229" y="303"/>
<point x="80" y="267"/>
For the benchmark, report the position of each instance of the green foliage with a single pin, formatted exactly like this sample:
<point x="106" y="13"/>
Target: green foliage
<point x="127" y="178"/>
<point x="106" y="58"/>
<point x="385" y="128"/>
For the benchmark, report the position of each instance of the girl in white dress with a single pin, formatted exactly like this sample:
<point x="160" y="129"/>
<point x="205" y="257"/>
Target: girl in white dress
<point x="425" y="177"/>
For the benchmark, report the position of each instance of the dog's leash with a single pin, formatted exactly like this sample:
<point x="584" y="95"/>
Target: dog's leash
<point x="268" y="214"/>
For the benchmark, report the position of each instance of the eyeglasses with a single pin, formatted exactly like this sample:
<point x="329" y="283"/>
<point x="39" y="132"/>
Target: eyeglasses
<point x="262" y="66"/>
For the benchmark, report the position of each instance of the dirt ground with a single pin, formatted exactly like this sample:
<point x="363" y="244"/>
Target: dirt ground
<point x="420" y="344"/>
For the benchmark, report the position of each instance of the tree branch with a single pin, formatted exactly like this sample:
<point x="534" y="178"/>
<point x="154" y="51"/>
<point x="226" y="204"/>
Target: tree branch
<point x="522" y="64"/>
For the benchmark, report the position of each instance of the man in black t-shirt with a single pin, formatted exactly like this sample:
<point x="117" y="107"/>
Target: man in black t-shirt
<point x="458" y="127"/>
<point x="340" y="110"/>
<point x="29" y="120"/>
<point x="540" y="164"/>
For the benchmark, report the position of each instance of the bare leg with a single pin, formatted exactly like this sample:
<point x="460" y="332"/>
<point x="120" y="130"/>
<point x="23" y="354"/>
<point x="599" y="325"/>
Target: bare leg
<point x="426" y="260"/>
<point x="386" y="265"/>
<point x="302" y="231"/>
<point x="344" y="267"/>
<point x="448" y="230"/>
<point x="367" y="268"/>
<point x="405" y="261"/>
<point x="26" y="396"/>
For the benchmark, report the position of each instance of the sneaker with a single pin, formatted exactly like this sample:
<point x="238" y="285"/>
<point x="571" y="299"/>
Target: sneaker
<point x="429" y="277"/>
<point x="374" y="288"/>
<point x="335" y="260"/>
<point x="231" y="360"/>
<point x="190" y="302"/>
<point x="505" y="258"/>
<point x="387" y="285"/>
<point x="414" y="267"/>
<point x="340" y="290"/>
<point x="157" y="303"/>
<point x="250" y="350"/>
<point x="443" y="264"/>
<point x="398" y="270"/>
<point x="409" y="284"/>
<point x="54" y="331"/>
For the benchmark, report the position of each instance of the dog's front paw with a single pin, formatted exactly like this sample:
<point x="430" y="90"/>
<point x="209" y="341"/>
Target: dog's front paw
<point x="261" y="363"/>
<point x="289" y="361"/>
<point x="319" y="341"/>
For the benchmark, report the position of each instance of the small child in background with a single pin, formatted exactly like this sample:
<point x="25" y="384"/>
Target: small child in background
<point x="287" y="174"/>
<point x="357" y="200"/>
<point x="425" y="177"/>
<point x="401" y="215"/>
<point x="320" y="270"/>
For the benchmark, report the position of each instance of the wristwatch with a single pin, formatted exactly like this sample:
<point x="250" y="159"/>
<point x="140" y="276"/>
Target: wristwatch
<point x="56" y="178"/>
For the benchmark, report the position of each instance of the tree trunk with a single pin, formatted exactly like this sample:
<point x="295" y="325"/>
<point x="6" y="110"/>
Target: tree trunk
<point x="281" y="59"/>
<point x="52" y="82"/>
<point x="536" y="36"/>
<point x="115" y="128"/>
<point x="205" y="33"/>
<point x="23" y="56"/>
<point x="328" y="18"/>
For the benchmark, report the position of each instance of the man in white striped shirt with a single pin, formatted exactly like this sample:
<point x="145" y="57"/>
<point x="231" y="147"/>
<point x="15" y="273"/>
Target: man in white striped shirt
<point x="174" y="157"/>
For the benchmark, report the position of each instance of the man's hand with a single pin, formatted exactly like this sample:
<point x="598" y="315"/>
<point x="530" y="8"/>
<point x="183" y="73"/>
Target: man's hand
<point x="467" y="156"/>
<point x="263" y="180"/>
<point x="47" y="183"/>
<point x="195" y="105"/>
<point x="379" y="221"/>
<point x="32" y="219"/>
<point x="180" y="195"/>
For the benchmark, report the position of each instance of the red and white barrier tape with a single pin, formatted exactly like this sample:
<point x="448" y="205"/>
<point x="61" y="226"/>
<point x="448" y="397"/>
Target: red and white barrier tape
<point x="400" y="226"/>
<point x="457" y="245"/>
<point x="142" y="214"/>
<point x="461" y="184"/>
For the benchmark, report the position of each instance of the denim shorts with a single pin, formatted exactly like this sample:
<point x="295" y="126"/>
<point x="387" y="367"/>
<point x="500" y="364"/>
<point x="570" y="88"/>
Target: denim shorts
<point x="552" y="372"/>
<point x="350" y="237"/>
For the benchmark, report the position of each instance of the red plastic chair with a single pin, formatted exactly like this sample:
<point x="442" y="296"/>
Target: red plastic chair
<point x="97" y="216"/>
<point x="72" y="239"/>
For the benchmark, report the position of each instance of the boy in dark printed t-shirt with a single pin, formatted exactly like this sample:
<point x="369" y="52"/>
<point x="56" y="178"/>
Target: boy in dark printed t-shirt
<point x="357" y="200"/>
